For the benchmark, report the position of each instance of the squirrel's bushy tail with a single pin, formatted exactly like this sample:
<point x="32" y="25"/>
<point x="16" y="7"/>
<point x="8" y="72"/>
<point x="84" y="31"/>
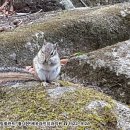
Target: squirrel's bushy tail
<point x="14" y="74"/>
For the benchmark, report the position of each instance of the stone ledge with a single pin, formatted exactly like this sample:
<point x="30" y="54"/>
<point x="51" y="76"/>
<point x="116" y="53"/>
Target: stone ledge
<point x="108" y="68"/>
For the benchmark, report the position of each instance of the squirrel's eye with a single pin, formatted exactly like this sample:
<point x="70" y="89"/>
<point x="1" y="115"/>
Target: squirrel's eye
<point x="52" y="53"/>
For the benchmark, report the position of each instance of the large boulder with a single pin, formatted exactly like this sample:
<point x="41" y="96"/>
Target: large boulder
<point x="80" y="29"/>
<point x="26" y="6"/>
<point x="31" y="6"/>
<point x="67" y="106"/>
<point x="91" y="3"/>
<point x="107" y="68"/>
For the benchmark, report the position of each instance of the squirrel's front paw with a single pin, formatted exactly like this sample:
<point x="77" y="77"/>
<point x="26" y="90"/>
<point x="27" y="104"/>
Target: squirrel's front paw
<point x="55" y="83"/>
<point x="45" y="84"/>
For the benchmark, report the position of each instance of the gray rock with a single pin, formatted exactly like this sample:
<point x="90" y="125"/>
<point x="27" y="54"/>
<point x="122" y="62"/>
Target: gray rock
<point x="82" y="29"/>
<point x="108" y="68"/>
<point x="122" y="112"/>
<point x="123" y="116"/>
<point x="96" y="105"/>
<point x="59" y="91"/>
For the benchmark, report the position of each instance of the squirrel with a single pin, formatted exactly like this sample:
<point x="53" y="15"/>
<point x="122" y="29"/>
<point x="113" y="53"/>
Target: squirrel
<point x="46" y="67"/>
<point x="46" y="63"/>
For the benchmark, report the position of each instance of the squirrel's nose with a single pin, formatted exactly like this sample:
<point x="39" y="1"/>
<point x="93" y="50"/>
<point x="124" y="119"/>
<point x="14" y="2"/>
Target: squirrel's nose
<point x="46" y="60"/>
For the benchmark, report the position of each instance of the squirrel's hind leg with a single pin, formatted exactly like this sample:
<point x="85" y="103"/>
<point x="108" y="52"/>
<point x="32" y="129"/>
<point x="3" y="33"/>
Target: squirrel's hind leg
<point x="45" y="84"/>
<point x="41" y="75"/>
<point x="53" y="75"/>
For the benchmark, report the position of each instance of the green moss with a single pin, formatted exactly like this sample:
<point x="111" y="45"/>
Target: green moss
<point x="34" y="104"/>
<point x="66" y="83"/>
<point x="20" y="34"/>
<point x="78" y="54"/>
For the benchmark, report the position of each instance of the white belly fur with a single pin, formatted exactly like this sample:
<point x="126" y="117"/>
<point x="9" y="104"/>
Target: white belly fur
<point x="46" y="72"/>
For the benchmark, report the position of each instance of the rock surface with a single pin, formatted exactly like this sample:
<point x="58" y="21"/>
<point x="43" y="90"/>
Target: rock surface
<point x="92" y="28"/>
<point x="121" y="111"/>
<point x="91" y="3"/>
<point x="83" y="107"/>
<point x="26" y="6"/>
<point x="108" y="68"/>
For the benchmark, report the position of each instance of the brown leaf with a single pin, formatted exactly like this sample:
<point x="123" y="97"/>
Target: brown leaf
<point x="64" y="61"/>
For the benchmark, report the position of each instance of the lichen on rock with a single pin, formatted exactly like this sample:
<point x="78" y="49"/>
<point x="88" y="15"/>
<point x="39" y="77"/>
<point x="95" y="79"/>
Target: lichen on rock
<point x="107" y="68"/>
<point x="93" y="28"/>
<point x="70" y="106"/>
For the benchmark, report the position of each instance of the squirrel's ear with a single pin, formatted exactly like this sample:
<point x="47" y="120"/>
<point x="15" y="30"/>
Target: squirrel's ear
<point x="44" y="42"/>
<point x="55" y="45"/>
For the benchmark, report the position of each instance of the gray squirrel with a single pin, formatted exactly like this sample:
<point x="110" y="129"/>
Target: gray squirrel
<point x="46" y="63"/>
<point x="46" y="67"/>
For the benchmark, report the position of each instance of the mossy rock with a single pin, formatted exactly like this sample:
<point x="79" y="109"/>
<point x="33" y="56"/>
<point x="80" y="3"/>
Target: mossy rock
<point x="107" y="68"/>
<point x="35" y="104"/>
<point x="91" y="3"/>
<point x="80" y="29"/>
